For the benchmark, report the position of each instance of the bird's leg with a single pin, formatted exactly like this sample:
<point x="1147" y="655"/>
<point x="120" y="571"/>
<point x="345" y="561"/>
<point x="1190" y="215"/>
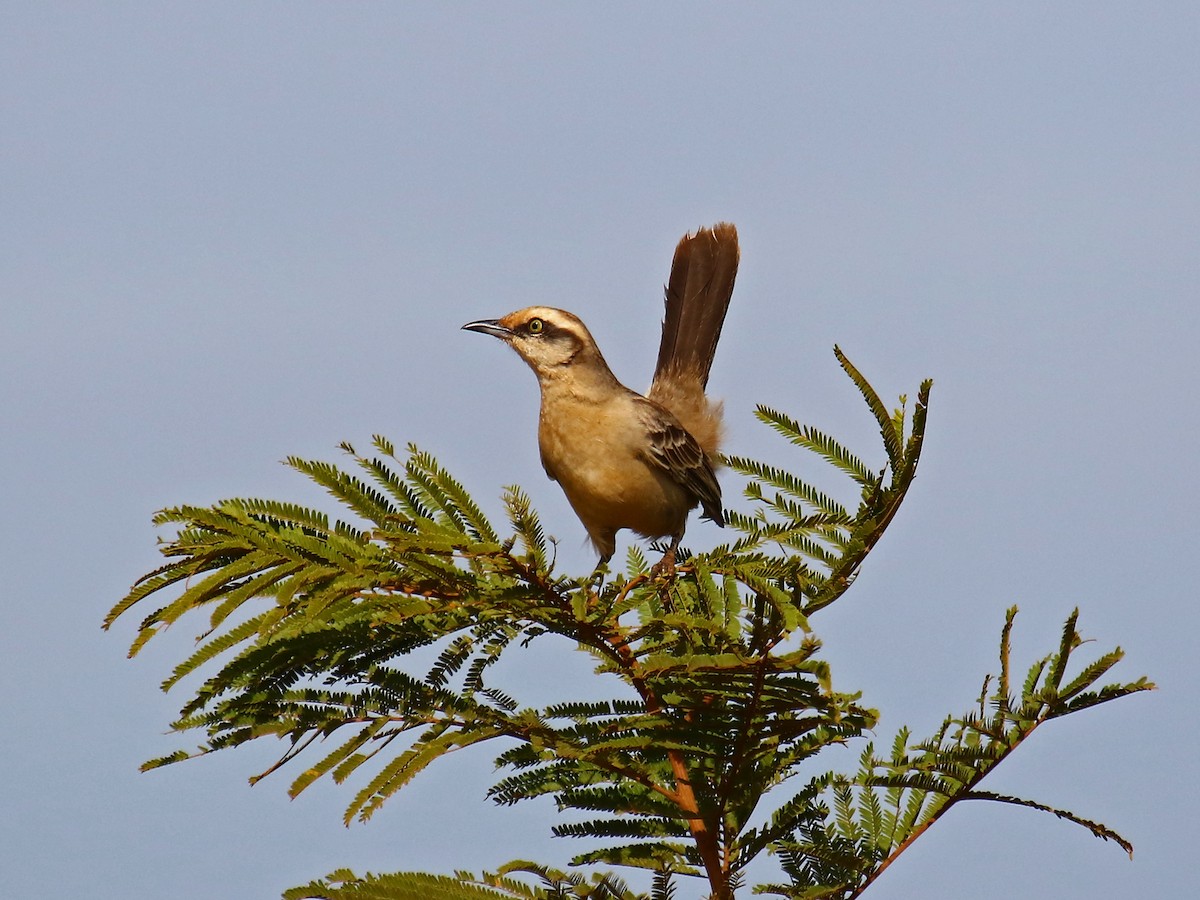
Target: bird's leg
<point x="601" y="570"/>
<point x="666" y="565"/>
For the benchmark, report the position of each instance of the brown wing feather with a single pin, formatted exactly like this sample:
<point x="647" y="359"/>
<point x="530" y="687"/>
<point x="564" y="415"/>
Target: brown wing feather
<point x="672" y="449"/>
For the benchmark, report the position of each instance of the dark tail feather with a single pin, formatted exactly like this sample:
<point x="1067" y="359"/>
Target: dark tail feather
<point x="698" y="293"/>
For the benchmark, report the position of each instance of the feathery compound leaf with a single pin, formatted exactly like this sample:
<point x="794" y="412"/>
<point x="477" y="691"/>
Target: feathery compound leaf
<point x="1070" y="640"/>
<point x="1096" y="828"/>
<point x="433" y="744"/>
<point x="528" y="526"/>
<point x="893" y="434"/>
<point x="453" y="498"/>
<point x="440" y="491"/>
<point x="818" y="442"/>
<point x="787" y="483"/>
<point x="359" y="496"/>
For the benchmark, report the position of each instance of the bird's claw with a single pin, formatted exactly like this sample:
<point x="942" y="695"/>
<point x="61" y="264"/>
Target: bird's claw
<point x="665" y="567"/>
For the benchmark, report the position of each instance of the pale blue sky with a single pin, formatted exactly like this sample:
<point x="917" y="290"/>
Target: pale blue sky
<point x="237" y="231"/>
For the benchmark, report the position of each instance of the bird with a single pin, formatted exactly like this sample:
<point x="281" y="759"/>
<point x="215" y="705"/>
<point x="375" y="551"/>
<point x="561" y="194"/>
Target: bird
<point x="623" y="459"/>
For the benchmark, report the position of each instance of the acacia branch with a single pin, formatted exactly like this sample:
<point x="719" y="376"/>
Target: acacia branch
<point x="962" y="794"/>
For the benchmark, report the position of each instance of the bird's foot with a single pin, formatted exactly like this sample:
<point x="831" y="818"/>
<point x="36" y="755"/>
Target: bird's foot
<point x="665" y="567"/>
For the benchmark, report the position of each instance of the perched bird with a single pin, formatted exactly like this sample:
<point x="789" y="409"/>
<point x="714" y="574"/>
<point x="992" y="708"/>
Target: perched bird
<point x="624" y="460"/>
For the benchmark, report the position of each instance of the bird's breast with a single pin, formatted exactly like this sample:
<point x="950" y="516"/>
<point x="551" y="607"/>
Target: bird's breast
<point x="595" y="450"/>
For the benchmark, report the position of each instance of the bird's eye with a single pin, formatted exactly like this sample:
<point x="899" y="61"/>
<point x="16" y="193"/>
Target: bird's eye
<point x="536" y="326"/>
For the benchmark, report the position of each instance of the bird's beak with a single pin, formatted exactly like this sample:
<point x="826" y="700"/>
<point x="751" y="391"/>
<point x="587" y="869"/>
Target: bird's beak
<point x="489" y="326"/>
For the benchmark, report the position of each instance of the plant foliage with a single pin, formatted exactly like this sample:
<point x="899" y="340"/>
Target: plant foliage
<point x="312" y="629"/>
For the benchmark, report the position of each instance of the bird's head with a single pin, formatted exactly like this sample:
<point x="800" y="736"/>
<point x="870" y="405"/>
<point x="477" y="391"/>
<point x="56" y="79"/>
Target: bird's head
<point x="548" y="339"/>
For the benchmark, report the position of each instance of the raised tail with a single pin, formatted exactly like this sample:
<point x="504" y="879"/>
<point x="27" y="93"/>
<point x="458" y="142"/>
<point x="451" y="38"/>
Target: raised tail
<point x="697" y="297"/>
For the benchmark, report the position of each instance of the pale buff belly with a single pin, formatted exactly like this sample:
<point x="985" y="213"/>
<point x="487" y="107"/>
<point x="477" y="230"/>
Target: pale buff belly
<point x="605" y="479"/>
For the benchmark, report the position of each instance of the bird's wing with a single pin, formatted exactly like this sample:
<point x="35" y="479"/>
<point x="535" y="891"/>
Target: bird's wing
<point x="672" y="449"/>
